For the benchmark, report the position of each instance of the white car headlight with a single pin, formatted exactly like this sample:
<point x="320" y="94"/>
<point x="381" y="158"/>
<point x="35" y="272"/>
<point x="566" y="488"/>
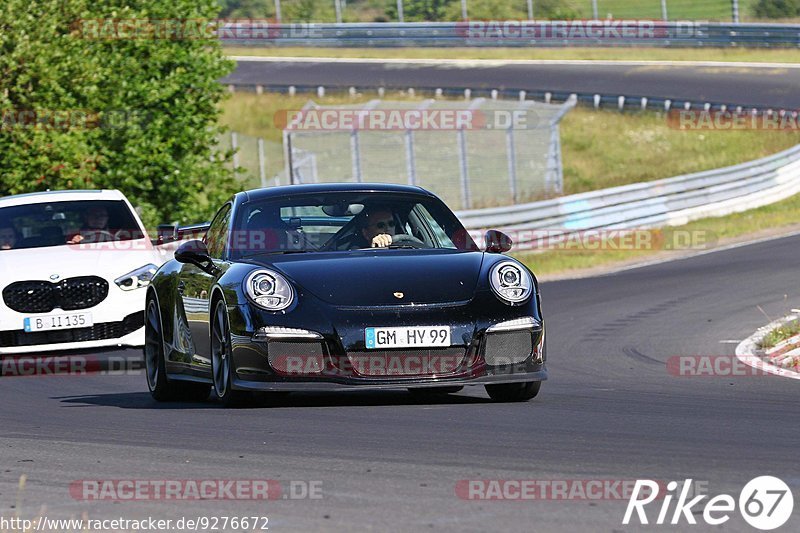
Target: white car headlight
<point x="137" y="279"/>
<point x="269" y="290"/>
<point x="510" y="282"/>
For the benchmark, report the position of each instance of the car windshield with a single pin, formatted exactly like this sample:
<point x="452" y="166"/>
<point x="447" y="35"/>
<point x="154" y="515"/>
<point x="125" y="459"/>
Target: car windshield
<point x="58" y="223"/>
<point x="345" y="221"/>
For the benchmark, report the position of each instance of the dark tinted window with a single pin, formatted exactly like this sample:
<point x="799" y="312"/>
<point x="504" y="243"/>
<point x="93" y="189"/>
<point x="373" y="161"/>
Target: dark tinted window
<point x="59" y="223"/>
<point x="337" y="222"/>
<point x="217" y="235"/>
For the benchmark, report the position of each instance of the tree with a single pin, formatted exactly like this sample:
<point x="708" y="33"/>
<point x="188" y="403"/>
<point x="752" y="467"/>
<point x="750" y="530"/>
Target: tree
<point x="141" y="108"/>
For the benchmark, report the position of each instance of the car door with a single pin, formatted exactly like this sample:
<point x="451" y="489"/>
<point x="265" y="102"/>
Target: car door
<point x="194" y="288"/>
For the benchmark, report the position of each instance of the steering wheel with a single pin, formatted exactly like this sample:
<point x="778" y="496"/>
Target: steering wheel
<point x="408" y="240"/>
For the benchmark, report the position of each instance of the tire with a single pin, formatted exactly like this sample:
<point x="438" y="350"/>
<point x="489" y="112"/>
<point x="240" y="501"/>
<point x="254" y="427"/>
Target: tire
<point x="514" y="392"/>
<point x="433" y="391"/>
<point x="221" y="366"/>
<point x="161" y="388"/>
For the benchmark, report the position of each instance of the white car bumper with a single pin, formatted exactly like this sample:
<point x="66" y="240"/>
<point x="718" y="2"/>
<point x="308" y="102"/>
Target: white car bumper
<point x="118" y="321"/>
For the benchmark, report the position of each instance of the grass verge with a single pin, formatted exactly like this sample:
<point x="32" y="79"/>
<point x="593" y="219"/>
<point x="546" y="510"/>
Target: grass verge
<point x="616" y="54"/>
<point x="786" y="331"/>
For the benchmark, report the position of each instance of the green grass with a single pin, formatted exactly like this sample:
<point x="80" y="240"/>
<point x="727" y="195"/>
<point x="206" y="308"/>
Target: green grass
<point x="608" y="148"/>
<point x="781" y="214"/>
<point x="786" y="331"/>
<point x="618" y="54"/>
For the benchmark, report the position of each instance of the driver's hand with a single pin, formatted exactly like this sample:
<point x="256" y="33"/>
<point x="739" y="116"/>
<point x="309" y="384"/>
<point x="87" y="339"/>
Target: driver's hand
<point x="76" y="239"/>
<point x="381" y="241"/>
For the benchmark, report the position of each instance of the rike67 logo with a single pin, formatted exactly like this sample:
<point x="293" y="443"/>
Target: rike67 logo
<point x="765" y="503"/>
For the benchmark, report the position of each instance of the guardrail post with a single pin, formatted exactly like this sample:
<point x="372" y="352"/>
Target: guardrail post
<point x="595" y="12"/>
<point x="664" y="14"/>
<point x="287" y="157"/>
<point x="530" y="9"/>
<point x="400" y="10"/>
<point x="463" y="9"/>
<point x="411" y="164"/>
<point x="355" y="150"/>
<point x="511" y="157"/>
<point x="466" y="201"/>
<point x="338" y="8"/>
<point x="262" y="169"/>
<point x="735" y="8"/>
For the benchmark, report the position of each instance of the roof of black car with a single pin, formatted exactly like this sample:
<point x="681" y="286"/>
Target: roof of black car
<point x="314" y="188"/>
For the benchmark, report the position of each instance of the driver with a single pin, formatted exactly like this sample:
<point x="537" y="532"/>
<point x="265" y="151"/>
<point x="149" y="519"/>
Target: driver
<point x="377" y="228"/>
<point x="95" y="226"/>
<point x="8" y="237"/>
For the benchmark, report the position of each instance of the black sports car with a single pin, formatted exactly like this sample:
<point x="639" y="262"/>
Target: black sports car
<point x="342" y="286"/>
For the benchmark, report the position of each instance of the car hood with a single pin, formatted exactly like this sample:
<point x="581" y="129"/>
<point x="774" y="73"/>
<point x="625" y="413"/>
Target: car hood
<point x="72" y="261"/>
<point x="386" y="277"/>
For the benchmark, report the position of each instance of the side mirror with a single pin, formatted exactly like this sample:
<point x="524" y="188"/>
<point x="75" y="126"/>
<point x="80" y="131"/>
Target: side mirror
<point x="166" y="233"/>
<point x="497" y="242"/>
<point x="195" y="253"/>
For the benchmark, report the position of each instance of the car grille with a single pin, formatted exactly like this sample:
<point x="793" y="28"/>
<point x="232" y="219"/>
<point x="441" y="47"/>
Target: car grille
<point x="102" y="331"/>
<point x="296" y="358"/>
<point x="407" y="363"/>
<point x="42" y="296"/>
<point x="508" y="348"/>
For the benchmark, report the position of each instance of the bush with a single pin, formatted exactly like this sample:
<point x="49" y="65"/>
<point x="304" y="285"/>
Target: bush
<point x="162" y="94"/>
<point x="776" y="9"/>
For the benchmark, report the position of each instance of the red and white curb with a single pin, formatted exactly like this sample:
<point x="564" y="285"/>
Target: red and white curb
<point x="783" y="359"/>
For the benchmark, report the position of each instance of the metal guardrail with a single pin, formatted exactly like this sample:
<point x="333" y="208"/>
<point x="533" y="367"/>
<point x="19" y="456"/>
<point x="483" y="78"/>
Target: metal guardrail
<point x="666" y="202"/>
<point x="513" y="33"/>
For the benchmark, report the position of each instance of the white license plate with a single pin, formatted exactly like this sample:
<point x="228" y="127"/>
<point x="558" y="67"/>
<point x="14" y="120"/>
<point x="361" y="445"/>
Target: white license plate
<point x="62" y="321"/>
<point x="407" y="337"/>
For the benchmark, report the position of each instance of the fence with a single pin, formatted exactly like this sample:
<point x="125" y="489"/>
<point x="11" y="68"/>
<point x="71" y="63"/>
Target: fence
<point x="668" y="202"/>
<point x="502" y="152"/>
<point x="400" y="10"/>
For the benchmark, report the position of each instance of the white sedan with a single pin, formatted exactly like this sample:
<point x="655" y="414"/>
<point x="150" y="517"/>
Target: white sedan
<point x="72" y="268"/>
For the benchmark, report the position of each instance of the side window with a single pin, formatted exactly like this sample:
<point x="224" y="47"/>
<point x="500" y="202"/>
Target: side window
<point x="217" y="235"/>
<point x="439" y="233"/>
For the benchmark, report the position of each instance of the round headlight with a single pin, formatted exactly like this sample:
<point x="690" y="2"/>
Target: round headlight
<point x="510" y="282"/>
<point x="269" y="290"/>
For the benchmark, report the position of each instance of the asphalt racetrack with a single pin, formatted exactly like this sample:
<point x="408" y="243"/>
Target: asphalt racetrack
<point x="390" y="462"/>
<point x="765" y="86"/>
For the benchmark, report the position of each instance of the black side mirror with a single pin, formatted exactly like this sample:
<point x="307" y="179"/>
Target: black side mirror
<point x="497" y="242"/>
<point x="195" y="253"/>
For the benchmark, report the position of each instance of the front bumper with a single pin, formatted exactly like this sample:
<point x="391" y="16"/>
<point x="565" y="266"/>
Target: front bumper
<point x="297" y="360"/>
<point x="118" y="321"/>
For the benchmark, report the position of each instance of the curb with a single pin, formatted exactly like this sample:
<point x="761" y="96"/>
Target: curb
<point x="747" y="351"/>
